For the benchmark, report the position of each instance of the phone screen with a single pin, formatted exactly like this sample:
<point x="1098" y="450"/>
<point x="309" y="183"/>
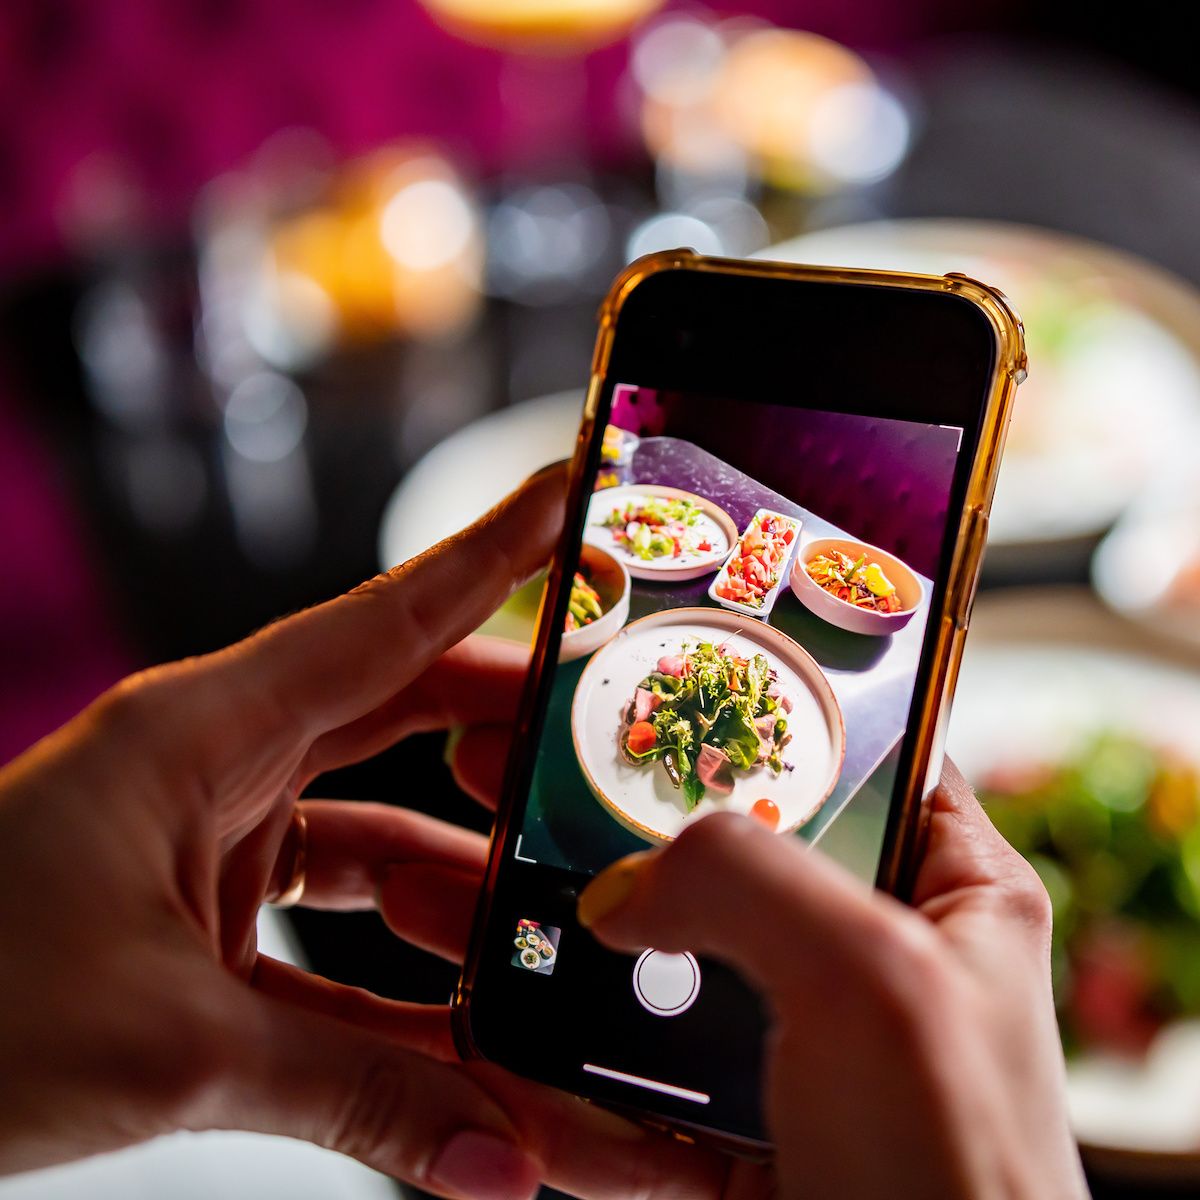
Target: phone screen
<point x="747" y="615"/>
<point x="748" y="627"/>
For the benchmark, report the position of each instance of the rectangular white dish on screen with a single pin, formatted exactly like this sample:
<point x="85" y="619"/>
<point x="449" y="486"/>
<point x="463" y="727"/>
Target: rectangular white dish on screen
<point x="763" y="610"/>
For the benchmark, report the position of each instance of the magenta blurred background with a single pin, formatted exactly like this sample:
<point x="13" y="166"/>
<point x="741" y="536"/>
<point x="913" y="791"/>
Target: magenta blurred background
<point x="168" y="95"/>
<point x="114" y="118"/>
<point x="175" y="472"/>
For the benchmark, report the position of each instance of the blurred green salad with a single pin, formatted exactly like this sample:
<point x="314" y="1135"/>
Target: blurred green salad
<point x="1115" y="836"/>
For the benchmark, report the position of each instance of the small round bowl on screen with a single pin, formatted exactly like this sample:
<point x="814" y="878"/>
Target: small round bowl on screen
<point x="610" y="579"/>
<point x="843" y="614"/>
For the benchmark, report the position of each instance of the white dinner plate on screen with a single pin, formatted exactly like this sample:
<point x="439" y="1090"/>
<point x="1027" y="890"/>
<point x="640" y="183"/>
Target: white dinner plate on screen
<point x="642" y="798"/>
<point x="714" y="526"/>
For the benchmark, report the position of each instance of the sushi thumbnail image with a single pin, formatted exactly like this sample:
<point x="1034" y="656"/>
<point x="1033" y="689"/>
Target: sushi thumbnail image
<point x="535" y="947"/>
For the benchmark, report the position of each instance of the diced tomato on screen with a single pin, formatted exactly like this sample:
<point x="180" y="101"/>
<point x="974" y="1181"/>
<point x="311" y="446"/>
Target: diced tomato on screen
<point x="641" y="737"/>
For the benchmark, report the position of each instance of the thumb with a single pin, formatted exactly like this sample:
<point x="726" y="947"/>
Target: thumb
<point x="310" y="1076"/>
<point x="964" y="852"/>
<point x="726" y="887"/>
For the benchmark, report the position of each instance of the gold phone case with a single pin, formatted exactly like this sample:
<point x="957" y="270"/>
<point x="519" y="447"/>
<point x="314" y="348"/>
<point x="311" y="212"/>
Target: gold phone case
<point x="896" y="869"/>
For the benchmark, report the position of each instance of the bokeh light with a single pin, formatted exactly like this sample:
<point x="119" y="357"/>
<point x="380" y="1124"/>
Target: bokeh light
<point x="795" y="109"/>
<point x="677" y="59"/>
<point x="547" y="243"/>
<point x="859" y="133"/>
<point x="265" y="417"/>
<point x="123" y="354"/>
<point x="546" y="26"/>
<point x="388" y="246"/>
<point x="665" y="231"/>
<point x="427" y="224"/>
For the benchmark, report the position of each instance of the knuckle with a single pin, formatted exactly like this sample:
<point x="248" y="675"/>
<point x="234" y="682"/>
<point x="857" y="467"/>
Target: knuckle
<point x="161" y="727"/>
<point x="350" y="1005"/>
<point x="911" y="978"/>
<point x="381" y="582"/>
<point x="1026" y="898"/>
<point x="126" y="706"/>
<point x="369" y="1118"/>
<point x="180" y="1065"/>
<point x="145" y="700"/>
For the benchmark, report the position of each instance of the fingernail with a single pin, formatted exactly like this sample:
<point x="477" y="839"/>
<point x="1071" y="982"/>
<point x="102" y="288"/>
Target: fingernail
<point x="485" y="1167"/>
<point x="452" y="739"/>
<point x="610" y="889"/>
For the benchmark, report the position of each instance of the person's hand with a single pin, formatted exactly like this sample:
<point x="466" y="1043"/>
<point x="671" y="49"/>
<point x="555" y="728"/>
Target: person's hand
<point x="913" y="1051"/>
<point x="138" y="843"/>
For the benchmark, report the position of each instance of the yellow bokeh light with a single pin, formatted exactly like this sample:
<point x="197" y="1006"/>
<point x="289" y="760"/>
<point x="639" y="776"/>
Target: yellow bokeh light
<point x="802" y="111"/>
<point x="397" y="248"/>
<point x="769" y="89"/>
<point x="548" y="26"/>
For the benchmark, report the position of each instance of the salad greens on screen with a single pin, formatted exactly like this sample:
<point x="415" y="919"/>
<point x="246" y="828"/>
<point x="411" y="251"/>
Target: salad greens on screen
<point x="704" y="713"/>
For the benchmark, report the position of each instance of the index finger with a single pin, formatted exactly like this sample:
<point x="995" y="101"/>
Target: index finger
<point x="340" y="660"/>
<point x="477" y="682"/>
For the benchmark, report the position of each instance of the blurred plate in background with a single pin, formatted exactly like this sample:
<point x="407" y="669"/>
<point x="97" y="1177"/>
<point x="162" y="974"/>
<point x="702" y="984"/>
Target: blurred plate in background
<point x="1114" y="352"/>
<point x="1113" y="392"/>
<point x="474" y="468"/>
<point x="1033" y="702"/>
<point x="1148" y="566"/>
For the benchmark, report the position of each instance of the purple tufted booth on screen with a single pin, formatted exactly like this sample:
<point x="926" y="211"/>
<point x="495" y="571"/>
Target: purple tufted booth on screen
<point x="884" y="481"/>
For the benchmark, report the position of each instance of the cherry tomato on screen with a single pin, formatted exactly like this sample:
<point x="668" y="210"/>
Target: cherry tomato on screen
<point x="766" y="811"/>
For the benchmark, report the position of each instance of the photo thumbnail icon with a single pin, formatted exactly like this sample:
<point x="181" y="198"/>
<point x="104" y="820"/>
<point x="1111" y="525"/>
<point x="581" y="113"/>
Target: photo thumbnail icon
<point x="535" y="947"/>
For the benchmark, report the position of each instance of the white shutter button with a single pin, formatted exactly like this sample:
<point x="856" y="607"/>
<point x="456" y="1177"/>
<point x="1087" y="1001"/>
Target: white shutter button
<point x="666" y="984"/>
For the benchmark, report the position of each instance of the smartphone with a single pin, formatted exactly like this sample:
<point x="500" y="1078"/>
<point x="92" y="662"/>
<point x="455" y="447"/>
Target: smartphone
<point x="778" y="509"/>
